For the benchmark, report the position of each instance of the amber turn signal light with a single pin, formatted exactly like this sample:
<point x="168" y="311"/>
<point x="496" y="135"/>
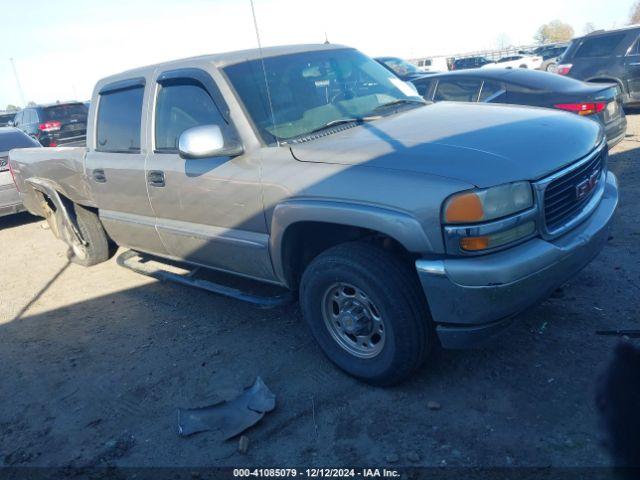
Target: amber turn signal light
<point x="464" y="208"/>
<point x="473" y="244"/>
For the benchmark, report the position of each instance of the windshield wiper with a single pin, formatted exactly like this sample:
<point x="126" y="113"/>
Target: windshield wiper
<point x="329" y="125"/>
<point x="399" y="101"/>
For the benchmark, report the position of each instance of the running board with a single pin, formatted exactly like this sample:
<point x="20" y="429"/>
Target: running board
<point x="252" y="291"/>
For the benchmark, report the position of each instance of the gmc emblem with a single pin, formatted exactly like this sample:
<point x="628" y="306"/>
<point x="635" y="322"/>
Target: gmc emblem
<point x="586" y="186"/>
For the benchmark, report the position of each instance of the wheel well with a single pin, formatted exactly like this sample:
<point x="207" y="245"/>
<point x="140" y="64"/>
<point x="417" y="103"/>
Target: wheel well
<point x="50" y="210"/>
<point x="303" y="241"/>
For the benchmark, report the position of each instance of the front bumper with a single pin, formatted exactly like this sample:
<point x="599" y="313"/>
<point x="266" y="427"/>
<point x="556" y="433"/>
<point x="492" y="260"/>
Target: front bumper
<point x="473" y="299"/>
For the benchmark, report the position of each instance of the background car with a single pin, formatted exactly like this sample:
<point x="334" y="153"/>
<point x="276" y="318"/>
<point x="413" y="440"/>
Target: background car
<point x="11" y="138"/>
<point x="433" y="64"/>
<point x="54" y="125"/>
<point x="517" y="61"/>
<point x="469" y="62"/>
<point x="6" y="118"/>
<point x="401" y="68"/>
<point x="550" y="57"/>
<point x="606" y="56"/>
<point x="601" y="102"/>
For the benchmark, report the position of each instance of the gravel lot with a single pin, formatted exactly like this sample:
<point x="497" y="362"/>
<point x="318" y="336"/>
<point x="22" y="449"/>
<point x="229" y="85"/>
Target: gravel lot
<point x="96" y="361"/>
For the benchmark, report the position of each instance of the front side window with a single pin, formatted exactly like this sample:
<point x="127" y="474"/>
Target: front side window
<point x="181" y="106"/>
<point x="457" y="90"/>
<point x="599" y="46"/>
<point x="119" y="117"/>
<point x="314" y="90"/>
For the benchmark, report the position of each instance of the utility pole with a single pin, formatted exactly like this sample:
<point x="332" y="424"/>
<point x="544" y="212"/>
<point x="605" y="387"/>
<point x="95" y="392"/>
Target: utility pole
<point x="15" y="73"/>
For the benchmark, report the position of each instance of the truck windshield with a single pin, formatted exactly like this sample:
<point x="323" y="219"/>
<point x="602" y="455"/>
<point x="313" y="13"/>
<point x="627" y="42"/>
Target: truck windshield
<point x="313" y="90"/>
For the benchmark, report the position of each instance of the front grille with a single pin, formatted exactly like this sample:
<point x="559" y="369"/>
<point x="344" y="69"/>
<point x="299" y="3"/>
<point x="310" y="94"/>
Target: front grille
<point x="565" y="197"/>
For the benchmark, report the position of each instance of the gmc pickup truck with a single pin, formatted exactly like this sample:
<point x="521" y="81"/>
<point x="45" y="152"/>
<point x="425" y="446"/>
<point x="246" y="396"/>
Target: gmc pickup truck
<point x="401" y="224"/>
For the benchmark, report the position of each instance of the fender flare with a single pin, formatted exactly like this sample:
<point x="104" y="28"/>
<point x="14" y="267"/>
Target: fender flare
<point x="396" y="224"/>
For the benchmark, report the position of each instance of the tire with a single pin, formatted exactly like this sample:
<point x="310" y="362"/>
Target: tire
<point x="392" y="291"/>
<point x="97" y="248"/>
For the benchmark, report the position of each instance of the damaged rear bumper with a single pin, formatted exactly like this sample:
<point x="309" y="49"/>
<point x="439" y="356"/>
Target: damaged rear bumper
<point x="474" y="299"/>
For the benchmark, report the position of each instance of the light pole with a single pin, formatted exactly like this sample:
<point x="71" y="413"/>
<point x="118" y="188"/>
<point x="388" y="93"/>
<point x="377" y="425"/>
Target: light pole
<point x="15" y="73"/>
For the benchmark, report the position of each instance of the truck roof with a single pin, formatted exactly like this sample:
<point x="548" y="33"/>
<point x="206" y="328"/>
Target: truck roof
<point x="221" y="60"/>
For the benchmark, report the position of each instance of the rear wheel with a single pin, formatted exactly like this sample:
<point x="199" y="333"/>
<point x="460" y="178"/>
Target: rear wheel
<point x="96" y="248"/>
<point x="366" y="310"/>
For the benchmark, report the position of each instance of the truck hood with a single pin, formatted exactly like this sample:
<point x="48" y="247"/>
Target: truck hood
<point x="480" y="144"/>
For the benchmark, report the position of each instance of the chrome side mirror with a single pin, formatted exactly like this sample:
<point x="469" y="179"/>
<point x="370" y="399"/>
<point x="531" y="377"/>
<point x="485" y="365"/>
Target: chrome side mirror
<point x="207" y="141"/>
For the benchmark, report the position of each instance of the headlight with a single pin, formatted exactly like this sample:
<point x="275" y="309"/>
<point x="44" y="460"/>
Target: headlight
<point x="488" y="204"/>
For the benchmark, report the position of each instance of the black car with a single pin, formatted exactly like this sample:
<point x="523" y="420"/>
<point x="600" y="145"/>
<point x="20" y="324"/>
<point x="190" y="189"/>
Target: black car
<point x="606" y="56"/>
<point x="469" y="62"/>
<point x="6" y="118"/>
<point x="602" y="102"/>
<point x="401" y="68"/>
<point x="54" y="125"/>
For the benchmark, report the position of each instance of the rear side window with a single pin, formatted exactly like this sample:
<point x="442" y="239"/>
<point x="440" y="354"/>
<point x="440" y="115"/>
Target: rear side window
<point x="181" y="106"/>
<point x="457" y="90"/>
<point x="119" y="117"/>
<point x="599" y="46"/>
<point x="492" y="92"/>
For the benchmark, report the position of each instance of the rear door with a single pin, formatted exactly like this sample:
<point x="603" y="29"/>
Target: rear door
<point x="209" y="210"/>
<point x="115" y="167"/>
<point x="632" y="70"/>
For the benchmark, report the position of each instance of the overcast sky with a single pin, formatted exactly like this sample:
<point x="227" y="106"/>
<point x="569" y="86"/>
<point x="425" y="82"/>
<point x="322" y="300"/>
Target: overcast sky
<point x="62" y="47"/>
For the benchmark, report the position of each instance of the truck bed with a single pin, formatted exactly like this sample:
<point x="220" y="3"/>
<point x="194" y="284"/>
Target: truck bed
<point x="61" y="167"/>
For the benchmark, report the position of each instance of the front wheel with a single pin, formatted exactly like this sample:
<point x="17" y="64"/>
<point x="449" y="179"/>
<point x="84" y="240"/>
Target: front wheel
<point x="366" y="310"/>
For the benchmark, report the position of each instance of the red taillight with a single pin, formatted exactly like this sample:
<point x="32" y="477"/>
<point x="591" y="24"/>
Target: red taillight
<point x="582" y="108"/>
<point x="564" y="69"/>
<point x="49" y="126"/>
<point x="13" y="176"/>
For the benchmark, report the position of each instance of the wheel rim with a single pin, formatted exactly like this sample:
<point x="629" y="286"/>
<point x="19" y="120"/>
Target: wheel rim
<point x="353" y="320"/>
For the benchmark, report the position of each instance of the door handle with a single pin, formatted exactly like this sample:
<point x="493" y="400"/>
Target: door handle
<point x="99" y="176"/>
<point x="156" y="178"/>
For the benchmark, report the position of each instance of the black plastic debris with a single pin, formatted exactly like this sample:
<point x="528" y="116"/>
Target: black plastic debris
<point x="232" y="417"/>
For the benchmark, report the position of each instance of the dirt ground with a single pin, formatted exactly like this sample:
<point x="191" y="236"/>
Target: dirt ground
<point x="95" y="362"/>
